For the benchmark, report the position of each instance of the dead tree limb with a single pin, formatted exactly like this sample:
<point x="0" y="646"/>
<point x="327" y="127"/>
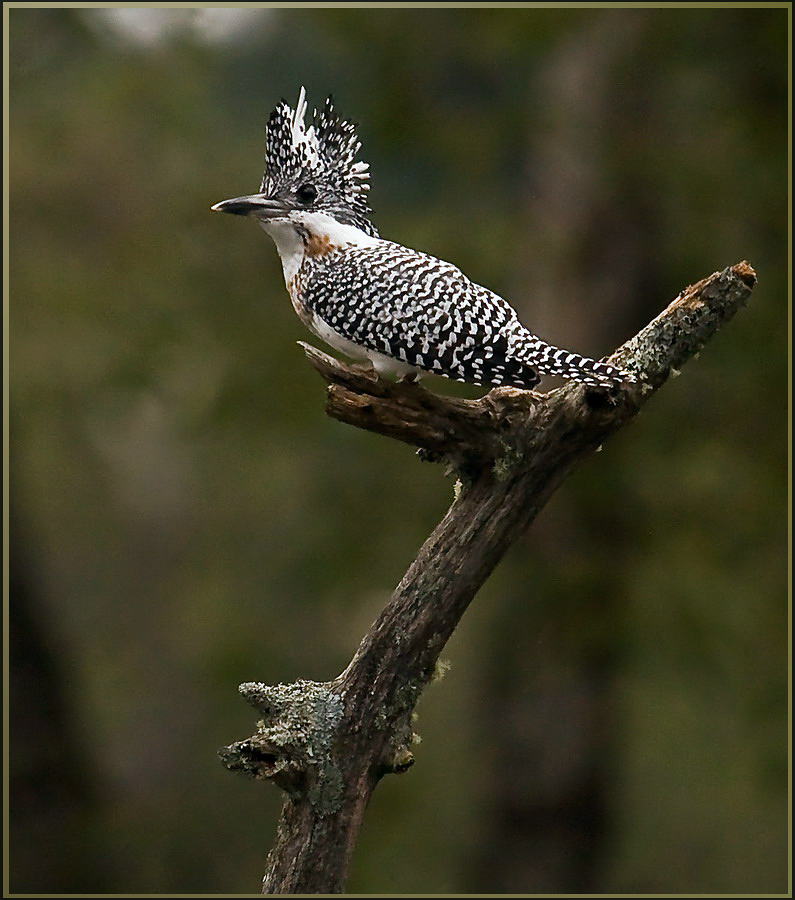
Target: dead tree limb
<point x="328" y="744"/>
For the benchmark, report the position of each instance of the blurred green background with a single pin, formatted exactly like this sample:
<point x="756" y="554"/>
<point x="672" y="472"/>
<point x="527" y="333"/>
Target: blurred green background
<point x="185" y="517"/>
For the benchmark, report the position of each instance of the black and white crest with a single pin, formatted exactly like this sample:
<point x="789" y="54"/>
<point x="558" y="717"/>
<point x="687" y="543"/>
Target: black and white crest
<point x="323" y="154"/>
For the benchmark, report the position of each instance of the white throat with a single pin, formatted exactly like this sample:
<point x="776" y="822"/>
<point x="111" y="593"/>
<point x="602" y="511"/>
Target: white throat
<point x="323" y="230"/>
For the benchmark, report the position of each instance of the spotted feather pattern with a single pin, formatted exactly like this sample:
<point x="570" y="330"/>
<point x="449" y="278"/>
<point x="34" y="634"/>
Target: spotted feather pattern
<point x="427" y="314"/>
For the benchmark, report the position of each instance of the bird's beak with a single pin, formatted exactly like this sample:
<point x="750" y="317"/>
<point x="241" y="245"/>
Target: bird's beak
<point x="254" y="205"/>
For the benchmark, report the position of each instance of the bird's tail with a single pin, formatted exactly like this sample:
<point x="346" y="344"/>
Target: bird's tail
<point x="550" y="360"/>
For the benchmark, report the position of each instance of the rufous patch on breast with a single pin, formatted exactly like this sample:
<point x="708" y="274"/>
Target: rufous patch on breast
<point x="319" y="245"/>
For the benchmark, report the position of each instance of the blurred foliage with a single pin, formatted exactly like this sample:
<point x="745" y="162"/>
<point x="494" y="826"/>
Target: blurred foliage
<point x="192" y="520"/>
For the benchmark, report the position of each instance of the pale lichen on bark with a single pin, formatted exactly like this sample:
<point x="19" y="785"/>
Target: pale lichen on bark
<point x="293" y="742"/>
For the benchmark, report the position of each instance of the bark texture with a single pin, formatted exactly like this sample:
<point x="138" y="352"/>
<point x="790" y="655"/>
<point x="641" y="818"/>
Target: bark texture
<point x="327" y="745"/>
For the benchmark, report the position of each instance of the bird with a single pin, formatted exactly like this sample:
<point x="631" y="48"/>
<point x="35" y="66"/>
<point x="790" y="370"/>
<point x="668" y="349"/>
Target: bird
<point x="403" y="312"/>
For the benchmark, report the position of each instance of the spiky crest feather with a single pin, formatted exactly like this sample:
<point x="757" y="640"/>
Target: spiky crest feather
<point x="323" y="153"/>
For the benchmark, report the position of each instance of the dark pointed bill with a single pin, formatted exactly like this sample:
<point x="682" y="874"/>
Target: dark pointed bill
<point x="253" y="205"/>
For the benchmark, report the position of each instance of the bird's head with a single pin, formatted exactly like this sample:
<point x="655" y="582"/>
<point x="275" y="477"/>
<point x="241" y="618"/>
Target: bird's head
<point x="309" y="171"/>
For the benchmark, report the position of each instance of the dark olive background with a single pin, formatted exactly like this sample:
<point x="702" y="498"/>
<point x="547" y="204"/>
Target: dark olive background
<point x="185" y="517"/>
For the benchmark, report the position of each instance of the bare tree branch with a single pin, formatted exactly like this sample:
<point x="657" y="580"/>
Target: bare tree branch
<point x="327" y="745"/>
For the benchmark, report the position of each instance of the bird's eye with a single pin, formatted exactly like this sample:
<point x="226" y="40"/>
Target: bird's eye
<point x="306" y="194"/>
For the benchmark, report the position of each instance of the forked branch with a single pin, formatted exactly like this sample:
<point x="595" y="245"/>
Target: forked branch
<point x="327" y="745"/>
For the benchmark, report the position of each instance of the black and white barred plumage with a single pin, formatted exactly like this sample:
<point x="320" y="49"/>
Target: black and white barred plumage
<point x="407" y="312"/>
